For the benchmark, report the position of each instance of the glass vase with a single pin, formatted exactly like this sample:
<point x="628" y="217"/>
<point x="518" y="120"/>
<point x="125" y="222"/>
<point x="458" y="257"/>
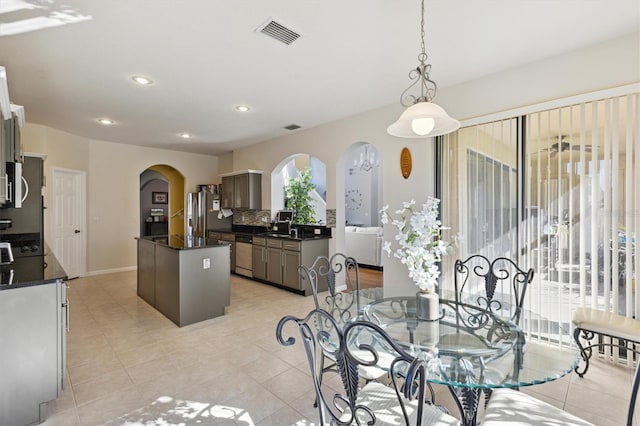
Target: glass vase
<point x="427" y="305"/>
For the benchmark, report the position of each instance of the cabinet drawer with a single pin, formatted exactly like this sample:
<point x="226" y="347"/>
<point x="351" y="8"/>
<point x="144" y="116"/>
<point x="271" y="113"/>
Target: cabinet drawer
<point x="213" y="235"/>
<point x="227" y="237"/>
<point x="274" y="242"/>
<point x="259" y="241"/>
<point x="291" y="245"/>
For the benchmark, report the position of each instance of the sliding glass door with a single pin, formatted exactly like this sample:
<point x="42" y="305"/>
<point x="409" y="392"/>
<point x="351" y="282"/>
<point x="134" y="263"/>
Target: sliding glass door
<point x="555" y="190"/>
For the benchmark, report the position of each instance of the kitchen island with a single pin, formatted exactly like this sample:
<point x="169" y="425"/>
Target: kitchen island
<point x="187" y="280"/>
<point x="33" y="326"/>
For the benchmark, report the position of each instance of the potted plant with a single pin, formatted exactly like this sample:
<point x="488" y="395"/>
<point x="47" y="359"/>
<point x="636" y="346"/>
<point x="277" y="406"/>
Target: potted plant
<point x="297" y="197"/>
<point x="420" y="249"/>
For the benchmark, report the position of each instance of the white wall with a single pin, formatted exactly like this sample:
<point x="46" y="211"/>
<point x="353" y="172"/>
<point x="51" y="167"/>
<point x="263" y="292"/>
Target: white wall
<point x="611" y="64"/>
<point x="113" y="169"/>
<point x="113" y="187"/>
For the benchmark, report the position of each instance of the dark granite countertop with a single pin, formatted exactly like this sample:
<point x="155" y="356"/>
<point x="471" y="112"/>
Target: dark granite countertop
<point x="289" y="237"/>
<point x="178" y="242"/>
<point x="30" y="271"/>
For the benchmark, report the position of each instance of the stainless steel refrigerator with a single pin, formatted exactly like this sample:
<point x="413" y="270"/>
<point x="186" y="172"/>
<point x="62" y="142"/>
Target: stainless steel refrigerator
<point x="204" y="212"/>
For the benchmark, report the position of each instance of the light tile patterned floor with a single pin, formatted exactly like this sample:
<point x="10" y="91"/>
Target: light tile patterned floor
<point x="129" y="365"/>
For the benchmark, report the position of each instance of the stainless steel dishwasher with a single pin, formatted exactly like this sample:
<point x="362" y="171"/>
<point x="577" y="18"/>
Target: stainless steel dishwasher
<point x="244" y="255"/>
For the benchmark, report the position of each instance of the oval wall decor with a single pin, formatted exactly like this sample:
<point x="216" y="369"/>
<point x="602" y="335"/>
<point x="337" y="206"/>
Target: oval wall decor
<point x="405" y="162"/>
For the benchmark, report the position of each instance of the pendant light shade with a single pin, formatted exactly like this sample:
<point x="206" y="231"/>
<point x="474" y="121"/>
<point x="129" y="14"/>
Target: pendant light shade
<point x="423" y="119"/>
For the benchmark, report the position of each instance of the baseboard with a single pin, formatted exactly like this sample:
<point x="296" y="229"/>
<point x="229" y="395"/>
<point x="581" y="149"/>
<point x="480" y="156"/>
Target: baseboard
<point x="110" y="271"/>
<point x="377" y="268"/>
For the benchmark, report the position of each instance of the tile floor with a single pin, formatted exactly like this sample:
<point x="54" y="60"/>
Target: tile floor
<point x="129" y="365"/>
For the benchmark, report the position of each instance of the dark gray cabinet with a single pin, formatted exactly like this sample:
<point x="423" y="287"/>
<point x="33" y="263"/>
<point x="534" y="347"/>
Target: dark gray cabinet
<point x="290" y="261"/>
<point x="242" y="190"/>
<point x="185" y="285"/>
<point x="227" y="200"/>
<point x="259" y="255"/>
<point x="32" y="350"/>
<point x="214" y="237"/>
<point x="276" y="260"/>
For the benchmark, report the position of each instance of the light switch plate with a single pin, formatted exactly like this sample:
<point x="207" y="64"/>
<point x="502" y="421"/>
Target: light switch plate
<point x="206" y="263"/>
<point x="316" y="231"/>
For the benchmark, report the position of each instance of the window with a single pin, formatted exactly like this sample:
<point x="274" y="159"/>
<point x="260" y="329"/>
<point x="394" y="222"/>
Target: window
<point x="556" y="190"/>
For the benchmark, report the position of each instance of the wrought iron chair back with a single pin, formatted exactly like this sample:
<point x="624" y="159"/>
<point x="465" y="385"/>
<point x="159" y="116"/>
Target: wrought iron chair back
<point x="361" y="343"/>
<point x="337" y="263"/>
<point x="499" y="286"/>
<point x="345" y="306"/>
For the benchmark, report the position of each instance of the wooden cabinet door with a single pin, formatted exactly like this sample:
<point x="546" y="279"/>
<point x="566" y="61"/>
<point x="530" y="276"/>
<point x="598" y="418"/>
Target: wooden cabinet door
<point x="227" y="192"/>
<point x="274" y="265"/>
<point x="241" y="191"/>
<point x="259" y="256"/>
<point x="290" y="276"/>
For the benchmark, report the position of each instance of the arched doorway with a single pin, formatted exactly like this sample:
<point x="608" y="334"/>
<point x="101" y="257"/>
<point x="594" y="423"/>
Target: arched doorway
<point x="361" y="227"/>
<point x="290" y="168"/>
<point x="363" y="185"/>
<point x="161" y="201"/>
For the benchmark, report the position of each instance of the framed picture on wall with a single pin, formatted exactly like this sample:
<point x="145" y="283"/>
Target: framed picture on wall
<point x="159" y="197"/>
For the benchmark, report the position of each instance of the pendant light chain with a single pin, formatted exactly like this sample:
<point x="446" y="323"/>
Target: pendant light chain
<point x="428" y="87"/>
<point x="422" y="117"/>
<point x="420" y="74"/>
<point x="423" y="56"/>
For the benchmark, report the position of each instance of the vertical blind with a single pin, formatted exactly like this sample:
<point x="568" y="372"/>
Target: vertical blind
<point x="558" y="191"/>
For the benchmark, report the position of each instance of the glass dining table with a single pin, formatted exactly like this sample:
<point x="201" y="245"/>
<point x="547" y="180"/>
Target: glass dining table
<point x="469" y="349"/>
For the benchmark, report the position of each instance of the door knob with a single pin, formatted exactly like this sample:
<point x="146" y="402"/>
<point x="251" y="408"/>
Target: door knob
<point x="77" y="231"/>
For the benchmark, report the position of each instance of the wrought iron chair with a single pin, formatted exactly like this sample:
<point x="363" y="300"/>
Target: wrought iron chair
<point x="498" y="288"/>
<point x="359" y="344"/>
<point x="328" y="268"/>
<point x="343" y="307"/>
<point x="484" y="283"/>
<point x="509" y="407"/>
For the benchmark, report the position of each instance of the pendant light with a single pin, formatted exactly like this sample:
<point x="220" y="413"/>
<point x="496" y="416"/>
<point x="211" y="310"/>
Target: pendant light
<point x="422" y="118"/>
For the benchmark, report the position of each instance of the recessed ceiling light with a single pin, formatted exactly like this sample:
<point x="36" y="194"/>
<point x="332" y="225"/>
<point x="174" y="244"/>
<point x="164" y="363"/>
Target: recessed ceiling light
<point x="145" y="81"/>
<point x="185" y="135"/>
<point x="106" y="121"/>
<point x="242" y="108"/>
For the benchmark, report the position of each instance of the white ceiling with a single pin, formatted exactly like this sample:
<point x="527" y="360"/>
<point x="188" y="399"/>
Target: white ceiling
<point x="70" y="62"/>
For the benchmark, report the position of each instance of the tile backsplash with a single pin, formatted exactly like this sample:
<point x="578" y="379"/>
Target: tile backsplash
<point x="251" y="217"/>
<point x="263" y="217"/>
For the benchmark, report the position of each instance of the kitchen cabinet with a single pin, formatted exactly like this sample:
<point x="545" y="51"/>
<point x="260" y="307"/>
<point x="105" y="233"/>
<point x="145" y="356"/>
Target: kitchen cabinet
<point x="228" y="237"/>
<point x="189" y="281"/>
<point x="276" y="260"/>
<point x="259" y="256"/>
<point x="290" y="261"/>
<point x="13" y="144"/>
<point x="33" y="350"/>
<point x="227" y="192"/>
<point x="242" y="190"/>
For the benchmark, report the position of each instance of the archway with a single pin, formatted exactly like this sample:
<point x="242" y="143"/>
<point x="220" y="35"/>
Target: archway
<point x="363" y="185"/>
<point x="161" y="201"/>
<point x="289" y="168"/>
<point x="360" y="226"/>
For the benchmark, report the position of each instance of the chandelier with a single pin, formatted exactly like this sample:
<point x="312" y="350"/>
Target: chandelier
<point x="366" y="162"/>
<point x="422" y="118"/>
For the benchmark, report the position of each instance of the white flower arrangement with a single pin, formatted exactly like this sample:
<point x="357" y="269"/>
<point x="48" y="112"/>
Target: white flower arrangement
<point x="421" y="247"/>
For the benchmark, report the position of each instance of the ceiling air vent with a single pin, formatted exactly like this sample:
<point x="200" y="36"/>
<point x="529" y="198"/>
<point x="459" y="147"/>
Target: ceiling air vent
<point x="278" y="31"/>
<point x="292" y="127"/>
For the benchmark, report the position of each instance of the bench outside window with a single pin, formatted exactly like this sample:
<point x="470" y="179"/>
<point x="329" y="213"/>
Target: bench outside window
<point x="624" y="333"/>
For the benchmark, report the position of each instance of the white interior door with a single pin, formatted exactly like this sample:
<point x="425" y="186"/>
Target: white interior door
<point x="69" y="220"/>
